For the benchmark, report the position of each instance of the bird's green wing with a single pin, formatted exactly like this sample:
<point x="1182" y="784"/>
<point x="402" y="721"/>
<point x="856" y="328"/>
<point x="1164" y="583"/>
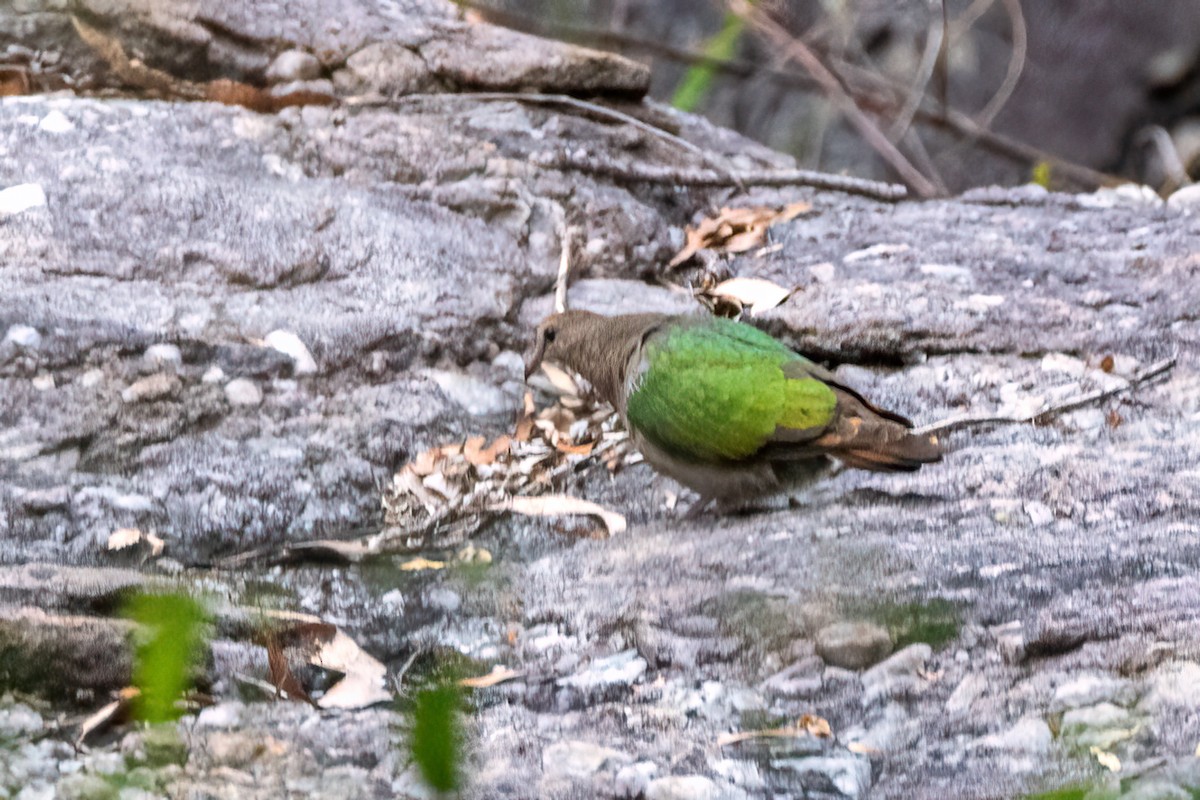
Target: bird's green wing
<point x="717" y="390"/>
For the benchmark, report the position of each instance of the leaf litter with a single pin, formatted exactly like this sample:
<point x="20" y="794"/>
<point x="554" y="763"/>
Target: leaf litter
<point x="735" y="230"/>
<point x="454" y="488"/>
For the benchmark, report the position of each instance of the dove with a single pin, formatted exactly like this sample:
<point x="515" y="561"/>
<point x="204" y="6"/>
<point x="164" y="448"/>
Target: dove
<point x="724" y="408"/>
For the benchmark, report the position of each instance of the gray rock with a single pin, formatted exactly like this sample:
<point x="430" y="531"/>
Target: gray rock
<point x="632" y="780"/>
<point x="18" y="720"/>
<point x="853" y="645"/>
<point x="682" y="787"/>
<point x="1176" y="683"/>
<point x="840" y="776"/>
<point x="1088" y="689"/>
<point x="243" y="392"/>
<point x="1029" y="734"/>
<point x="898" y="675"/>
<point x="575" y="759"/>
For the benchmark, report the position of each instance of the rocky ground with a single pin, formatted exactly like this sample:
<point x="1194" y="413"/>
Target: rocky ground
<point x="230" y="328"/>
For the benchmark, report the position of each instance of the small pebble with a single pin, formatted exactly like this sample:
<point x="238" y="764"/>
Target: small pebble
<point x="853" y="645"/>
<point x="23" y="336"/>
<point x="162" y="356"/>
<point x="243" y="392"/>
<point x="154" y="387"/>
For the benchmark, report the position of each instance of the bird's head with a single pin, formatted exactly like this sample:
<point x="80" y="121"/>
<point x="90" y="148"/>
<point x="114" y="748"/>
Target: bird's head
<point x="559" y="338"/>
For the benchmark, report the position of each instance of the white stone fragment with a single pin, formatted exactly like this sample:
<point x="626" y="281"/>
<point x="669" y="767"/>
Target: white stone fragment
<point x="289" y="344"/>
<point x="56" y="122"/>
<point x="21" y="197"/>
<point x="23" y="336"/>
<point x="243" y="392"/>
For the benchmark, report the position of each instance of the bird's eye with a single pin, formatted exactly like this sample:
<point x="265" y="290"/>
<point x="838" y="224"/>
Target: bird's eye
<point x="550" y="334"/>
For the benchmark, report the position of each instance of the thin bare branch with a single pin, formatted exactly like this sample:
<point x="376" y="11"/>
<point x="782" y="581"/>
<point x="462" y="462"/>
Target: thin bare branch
<point x="969" y="421"/>
<point x="1016" y="65"/>
<point x="799" y="52"/>
<point x="929" y="61"/>
<point x="565" y="235"/>
<point x="637" y="172"/>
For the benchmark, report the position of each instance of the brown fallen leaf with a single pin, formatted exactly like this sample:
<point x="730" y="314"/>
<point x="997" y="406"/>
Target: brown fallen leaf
<point x="326" y="646"/>
<point x="115" y="713"/>
<point x="817" y="726"/>
<point x="1107" y="363"/>
<point x="498" y="675"/>
<point x="583" y="449"/>
<point x="14" y="80"/>
<point x="280" y="672"/>
<point x="478" y="455"/>
<point x="735" y="230"/>
<point x="807" y="725"/>
<point x="420" y="563"/>
<point x="557" y="505"/>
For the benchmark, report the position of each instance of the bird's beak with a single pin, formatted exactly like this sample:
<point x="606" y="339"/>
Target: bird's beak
<point x="534" y="358"/>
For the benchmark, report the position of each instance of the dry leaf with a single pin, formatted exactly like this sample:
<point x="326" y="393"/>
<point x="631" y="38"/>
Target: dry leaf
<point x="734" y="230"/>
<point x="420" y="563"/>
<point x="478" y="455"/>
<point x="863" y="749"/>
<point x="1107" y="363"/>
<point x="1106" y="759"/>
<point x="124" y="537"/>
<point x="758" y="293"/>
<point x="362" y="683"/>
<point x="157" y="545"/>
<point x="816" y="726"/>
<point x="425" y="463"/>
<point x="280" y="672"/>
<point x="807" y="725"/>
<point x="352" y="550"/>
<point x="556" y="505"/>
<point x="498" y="675"/>
<point x="326" y="646"/>
<point x="473" y="555"/>
<point x="584" y="449"/>
<point x="114" y="713"/>
<point x="561" y="380"/>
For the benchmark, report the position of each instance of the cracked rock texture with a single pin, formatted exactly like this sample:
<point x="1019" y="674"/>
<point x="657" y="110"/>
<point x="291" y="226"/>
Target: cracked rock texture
<point x="231" y="328"/>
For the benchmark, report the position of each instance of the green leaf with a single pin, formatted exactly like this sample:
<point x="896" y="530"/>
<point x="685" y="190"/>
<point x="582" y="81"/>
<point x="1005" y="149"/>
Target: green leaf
<point x="169" y="646"/>
<point x="696" y="83"/>
<point x="1041" y="174"/>
<point x="436" y="739"/>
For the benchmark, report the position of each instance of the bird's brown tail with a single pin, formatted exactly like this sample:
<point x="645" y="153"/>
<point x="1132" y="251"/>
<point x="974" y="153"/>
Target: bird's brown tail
<point x="871" y="438"/>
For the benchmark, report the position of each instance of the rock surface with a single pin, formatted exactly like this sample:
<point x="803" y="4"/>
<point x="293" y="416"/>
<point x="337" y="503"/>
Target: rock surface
<point x="1042" y="575"/>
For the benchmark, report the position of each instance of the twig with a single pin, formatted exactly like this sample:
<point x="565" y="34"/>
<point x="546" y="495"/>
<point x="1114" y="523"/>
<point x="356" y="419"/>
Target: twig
<point x="934" y="38"/>
<point x="649" y="173"/>
<point x="583" y="105"/>
<point x="801" y="54"/>
<point x="967" y="420"/>
<point x="1016" y="65"/>
<point x="943" y="117"/>
<point x="565" y="234"/>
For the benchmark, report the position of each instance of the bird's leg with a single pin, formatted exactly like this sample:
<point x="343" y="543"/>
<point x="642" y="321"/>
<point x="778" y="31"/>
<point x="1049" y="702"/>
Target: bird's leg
<point x="697" y="508"/>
